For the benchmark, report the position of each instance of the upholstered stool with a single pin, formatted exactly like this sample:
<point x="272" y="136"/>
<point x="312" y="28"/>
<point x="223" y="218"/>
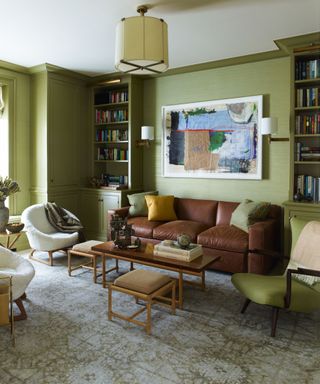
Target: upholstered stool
<point x="145" y="285"/>
<point x="84" y="249"/>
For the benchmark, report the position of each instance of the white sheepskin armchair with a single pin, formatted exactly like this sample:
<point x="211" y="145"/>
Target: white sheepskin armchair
<point x="42" y="235"/>
<point x="22" y="272"/>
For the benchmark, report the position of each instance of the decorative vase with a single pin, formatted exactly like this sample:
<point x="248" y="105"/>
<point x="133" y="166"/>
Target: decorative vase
<point x="4" y="216"/>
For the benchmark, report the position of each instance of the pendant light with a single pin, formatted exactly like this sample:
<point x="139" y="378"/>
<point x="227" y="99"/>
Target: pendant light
<point x="141" y="44"/>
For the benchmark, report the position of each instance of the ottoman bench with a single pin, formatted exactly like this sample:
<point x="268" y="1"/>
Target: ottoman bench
<point x="148" y="286"/>
<point x="84" y="249"/>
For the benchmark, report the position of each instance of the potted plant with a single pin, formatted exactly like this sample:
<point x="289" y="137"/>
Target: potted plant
<point x="7" y="187"/>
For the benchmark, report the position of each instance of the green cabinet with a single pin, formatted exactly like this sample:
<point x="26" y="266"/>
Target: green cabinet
<point x="59" y="126"/>
<point x="94" y="206"/>
<point x="301" y="210"/>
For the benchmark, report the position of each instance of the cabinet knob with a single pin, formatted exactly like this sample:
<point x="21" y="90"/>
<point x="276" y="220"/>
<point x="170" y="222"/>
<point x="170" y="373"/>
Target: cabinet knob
<point x="100" y="200"/>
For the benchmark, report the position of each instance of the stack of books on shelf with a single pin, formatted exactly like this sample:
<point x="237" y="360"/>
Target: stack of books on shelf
<point x="111" y="97"/>
<point x="309" y="187"/>
<point x="111" y="116"/>
<point x="308" y="97"/>
<point x="115" y="182"/>
<point x="307" y="69"/>
<point x="307" y="153"/>
<point x="105" y="135"/>
<point x="112" y="154"/>
<point x="308" y="124"/>
<point x="173" y="251"/>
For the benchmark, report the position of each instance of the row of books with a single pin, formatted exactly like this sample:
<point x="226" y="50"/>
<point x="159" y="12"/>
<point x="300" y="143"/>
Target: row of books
<point x="111" y="116"/>
<point x="308" y="124"/>
<point x="112" y="154"/>
<point x="309" y="187"/>
<point x="307" y="69"/>
<point x="105" y="135"/>
<point x="173" y="251"/>
<point x="307" y="153"/>
<point x="113" y="181"/>
<point x="308" y="97"/>
<point x="111" y="97"/>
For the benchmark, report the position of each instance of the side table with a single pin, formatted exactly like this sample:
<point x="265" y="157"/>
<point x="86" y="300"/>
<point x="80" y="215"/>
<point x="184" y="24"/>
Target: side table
<point x="7" y="240"/>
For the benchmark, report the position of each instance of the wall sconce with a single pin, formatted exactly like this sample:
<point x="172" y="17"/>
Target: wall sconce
<point x="147" y="135"/>
<point x="269" y="127"/>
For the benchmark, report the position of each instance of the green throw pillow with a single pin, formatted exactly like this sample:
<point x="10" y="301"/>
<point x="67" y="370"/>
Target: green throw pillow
<point x="248" y="213"/>
<point x="138" y="205"/>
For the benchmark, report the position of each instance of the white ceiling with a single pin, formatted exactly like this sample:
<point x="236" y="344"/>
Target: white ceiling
<point x="79" y="34"/>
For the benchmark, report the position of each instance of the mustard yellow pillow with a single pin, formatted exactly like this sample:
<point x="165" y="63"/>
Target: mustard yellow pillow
<point x="160" y="208"/>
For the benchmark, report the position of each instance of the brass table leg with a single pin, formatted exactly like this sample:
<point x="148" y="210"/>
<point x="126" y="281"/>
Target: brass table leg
<point x="180" y="289"/>
<point x="103" y="271"/>
<point x="203" y="280"/>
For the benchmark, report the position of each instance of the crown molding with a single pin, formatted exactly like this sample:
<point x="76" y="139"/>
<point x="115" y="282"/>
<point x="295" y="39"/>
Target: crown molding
<point x="13" y="67"/>
<point x="46" y="67"/>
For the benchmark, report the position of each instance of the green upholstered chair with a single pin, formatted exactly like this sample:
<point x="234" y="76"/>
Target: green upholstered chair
<point x="298" y="289"/>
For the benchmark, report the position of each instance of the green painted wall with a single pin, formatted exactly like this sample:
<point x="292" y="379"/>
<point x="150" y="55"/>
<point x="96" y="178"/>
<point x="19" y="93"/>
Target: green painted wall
<point x="270" y="78"/>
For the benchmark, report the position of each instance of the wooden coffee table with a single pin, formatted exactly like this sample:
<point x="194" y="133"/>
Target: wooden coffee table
<point x="144" y="256"/>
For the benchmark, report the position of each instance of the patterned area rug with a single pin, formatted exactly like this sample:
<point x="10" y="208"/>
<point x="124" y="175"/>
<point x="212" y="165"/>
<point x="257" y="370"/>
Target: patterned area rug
<point x="67" y="338"/>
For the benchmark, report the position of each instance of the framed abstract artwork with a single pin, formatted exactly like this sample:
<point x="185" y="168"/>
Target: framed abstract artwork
<point x="213" y="139"/>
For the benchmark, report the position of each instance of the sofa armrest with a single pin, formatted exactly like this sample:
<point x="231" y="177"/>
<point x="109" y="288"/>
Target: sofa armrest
<point x="262" y="235"/>
<point x="123" y="212"/>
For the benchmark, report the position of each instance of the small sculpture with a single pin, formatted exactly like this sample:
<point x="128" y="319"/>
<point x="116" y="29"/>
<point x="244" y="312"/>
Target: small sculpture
<point x="121" y="231"/>
<point x="184" y="241"/>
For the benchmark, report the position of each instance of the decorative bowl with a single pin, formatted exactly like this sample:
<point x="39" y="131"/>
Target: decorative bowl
<point x="14" y="227"/>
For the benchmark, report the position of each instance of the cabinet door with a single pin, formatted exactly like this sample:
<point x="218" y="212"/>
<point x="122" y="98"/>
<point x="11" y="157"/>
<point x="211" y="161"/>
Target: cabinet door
<point x="66" y="124"/>
<point x="90" y="214"/>
<point x="110" y="201"/>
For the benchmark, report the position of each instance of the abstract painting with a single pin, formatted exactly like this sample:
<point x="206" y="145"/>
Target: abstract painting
<point x="213" y="139"/>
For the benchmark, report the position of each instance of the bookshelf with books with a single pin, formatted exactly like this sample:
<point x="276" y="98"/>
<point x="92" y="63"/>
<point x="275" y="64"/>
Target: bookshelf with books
<point x="116" y="122"/>
<point x="307" y="124"/>
<point x="305" y="185"/>
<point x="116" y="119"/>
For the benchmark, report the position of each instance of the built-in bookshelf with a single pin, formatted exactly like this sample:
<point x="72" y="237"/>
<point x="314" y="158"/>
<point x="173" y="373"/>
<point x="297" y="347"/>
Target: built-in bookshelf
<point x="307" y="124"/>
<point x="111" y="135"/>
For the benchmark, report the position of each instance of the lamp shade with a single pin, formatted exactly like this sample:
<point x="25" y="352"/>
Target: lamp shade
<point x="147" y="132"/>
<point x="141" y="45"/>
<point x="269" y="125"/>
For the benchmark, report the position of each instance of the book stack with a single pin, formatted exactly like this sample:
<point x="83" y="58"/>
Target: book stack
<point x="172" y="250"/>
<point x="306" y="153"/>
<point x="309" y="187"/>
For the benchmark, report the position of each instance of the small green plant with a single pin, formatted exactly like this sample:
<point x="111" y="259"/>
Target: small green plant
<point x="7" y="187"/>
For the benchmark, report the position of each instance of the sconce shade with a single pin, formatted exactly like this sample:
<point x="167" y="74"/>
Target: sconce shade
<point x="147" y="132"/>
<point x="141" y="45"/>
<point x="269" y="125"/>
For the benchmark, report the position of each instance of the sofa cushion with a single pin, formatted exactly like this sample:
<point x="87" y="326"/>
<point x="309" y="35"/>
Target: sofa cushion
<point x="203" y="211"/>
<point x="249" y="212"/>
<point x="160" y="208"/>
<point x="138" y="205"/>
<point x="143" y="227"/>
<point x="224" y="212"/>
<point x="171" y="230"/>
<point x="224" y="237"/>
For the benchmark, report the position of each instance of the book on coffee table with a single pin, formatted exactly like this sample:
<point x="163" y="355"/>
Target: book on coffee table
<point x="174" y="251"/>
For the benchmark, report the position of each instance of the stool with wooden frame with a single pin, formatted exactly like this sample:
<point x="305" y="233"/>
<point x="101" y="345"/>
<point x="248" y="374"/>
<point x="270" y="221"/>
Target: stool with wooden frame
<point x="148" y="286"/>
<point x="6" y="305"/>
<point x="83" y="249"/>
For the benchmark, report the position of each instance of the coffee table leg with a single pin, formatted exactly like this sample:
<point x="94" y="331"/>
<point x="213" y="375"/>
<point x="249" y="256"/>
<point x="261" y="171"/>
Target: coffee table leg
<point x="180" y="290"/>
<point x="103" y="271"/>
<point x="203" y="280"/>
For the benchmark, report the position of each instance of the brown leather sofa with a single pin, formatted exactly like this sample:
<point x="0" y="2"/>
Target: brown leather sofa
<point x="208" y="224"/>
